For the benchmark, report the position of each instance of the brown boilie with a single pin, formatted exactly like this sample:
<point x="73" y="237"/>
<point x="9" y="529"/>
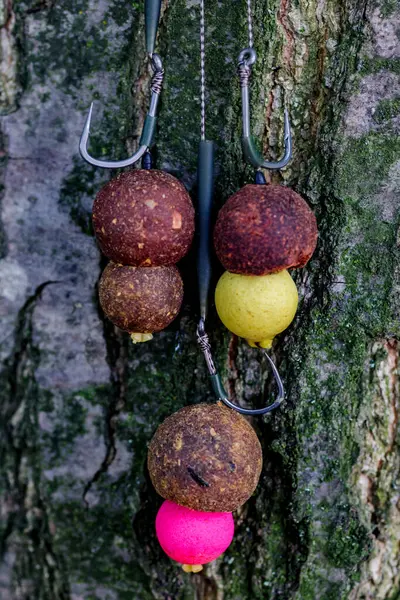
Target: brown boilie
<point x="264" y="229"/>
<point x="206" y="457"/>
<point x="144" y="218"/>
<point x="140" y="300"/>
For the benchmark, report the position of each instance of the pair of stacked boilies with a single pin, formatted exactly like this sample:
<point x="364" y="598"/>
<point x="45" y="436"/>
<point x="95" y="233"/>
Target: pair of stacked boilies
<point x="204" y="460"/>
<point x="261" y="231"/>
<point x="144" y="223"/>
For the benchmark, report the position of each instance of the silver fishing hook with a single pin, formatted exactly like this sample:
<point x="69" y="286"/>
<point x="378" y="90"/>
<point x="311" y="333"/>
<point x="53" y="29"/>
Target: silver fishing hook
<point x="148" y="127"/>
<point x="204" y="343"/>
<point x="247" y="58"/>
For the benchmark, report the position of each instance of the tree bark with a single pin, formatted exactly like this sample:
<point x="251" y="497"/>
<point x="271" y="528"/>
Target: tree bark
<point x="79" y="402"/>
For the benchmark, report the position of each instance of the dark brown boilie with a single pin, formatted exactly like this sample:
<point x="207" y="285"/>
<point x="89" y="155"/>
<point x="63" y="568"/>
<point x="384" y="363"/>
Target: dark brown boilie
<point x="206" y="457"/>
<point x="140" y="300"/>
<point x="144" y="218"/>
<point x="264" y="229"/>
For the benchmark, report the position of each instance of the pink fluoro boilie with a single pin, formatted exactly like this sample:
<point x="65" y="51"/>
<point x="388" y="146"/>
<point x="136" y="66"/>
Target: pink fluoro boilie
<point x="193" y="537"/>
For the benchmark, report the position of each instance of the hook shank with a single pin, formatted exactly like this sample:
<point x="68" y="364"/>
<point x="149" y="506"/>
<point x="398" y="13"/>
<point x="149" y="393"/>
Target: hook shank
<point x="246" y="59"/>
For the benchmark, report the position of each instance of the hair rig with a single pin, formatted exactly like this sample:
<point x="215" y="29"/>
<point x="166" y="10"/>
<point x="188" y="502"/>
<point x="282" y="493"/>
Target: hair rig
<point x="261" y="231"/>
<point x="144" y="223"/>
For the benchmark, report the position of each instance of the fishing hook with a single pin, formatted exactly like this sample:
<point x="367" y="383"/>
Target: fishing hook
<point x="247" y="58"/>
<point x="148" y="127"/>
<point x="204" y="343"/>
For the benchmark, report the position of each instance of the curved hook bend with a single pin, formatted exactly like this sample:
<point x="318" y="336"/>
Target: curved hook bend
<point x="204" y="343"/>
<point x="247" y="58"/>
<point x="148" y="127"/>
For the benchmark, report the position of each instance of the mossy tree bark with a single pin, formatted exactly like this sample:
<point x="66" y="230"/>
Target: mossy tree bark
<point x="79" y="403"/>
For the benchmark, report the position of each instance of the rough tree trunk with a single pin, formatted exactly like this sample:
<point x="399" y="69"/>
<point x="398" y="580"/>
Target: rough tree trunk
<point x="79" y="402"/>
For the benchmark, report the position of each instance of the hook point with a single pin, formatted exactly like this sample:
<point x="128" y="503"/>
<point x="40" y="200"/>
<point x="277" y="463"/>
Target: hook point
<point x="86" y="128"/>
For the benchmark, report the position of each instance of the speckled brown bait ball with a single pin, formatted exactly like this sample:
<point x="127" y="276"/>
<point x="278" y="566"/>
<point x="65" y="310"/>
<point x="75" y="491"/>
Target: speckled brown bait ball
<point x="264" y="229"/>
<point x="144" y="218"/>
<point x="206" y="457"/>
<point x="140" y="300"/>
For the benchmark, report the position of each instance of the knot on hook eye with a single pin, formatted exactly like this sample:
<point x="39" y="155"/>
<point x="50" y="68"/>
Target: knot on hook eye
<point x="247" y="57"/>
<point x="158" y="74"/>
<point x="244" y="72"/>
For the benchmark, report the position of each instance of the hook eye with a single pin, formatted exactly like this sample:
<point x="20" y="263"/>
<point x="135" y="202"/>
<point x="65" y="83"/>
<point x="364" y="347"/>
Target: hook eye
<point x="156" y="63"/>
<point x="247" y="57"/>
<point x="201" y="328"/>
